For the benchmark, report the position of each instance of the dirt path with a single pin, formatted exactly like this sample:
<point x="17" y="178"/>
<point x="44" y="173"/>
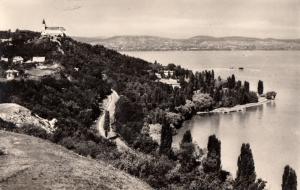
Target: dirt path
<point x="109" y="104"/>
<point x="35" y="164"/>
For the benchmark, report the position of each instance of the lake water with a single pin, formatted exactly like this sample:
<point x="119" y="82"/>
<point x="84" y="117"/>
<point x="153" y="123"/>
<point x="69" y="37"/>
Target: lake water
<point x="273" y="129"/>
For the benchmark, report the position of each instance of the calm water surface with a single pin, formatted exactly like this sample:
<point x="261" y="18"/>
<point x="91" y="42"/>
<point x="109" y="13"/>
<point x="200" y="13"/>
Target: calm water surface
<point x="273" y="129"/>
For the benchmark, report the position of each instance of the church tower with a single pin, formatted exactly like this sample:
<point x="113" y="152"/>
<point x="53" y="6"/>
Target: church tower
<point x="44" y="23"/>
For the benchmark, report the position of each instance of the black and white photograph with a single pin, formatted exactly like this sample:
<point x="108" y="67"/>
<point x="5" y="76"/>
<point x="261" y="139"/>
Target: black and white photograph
<point x="149" y="94"/>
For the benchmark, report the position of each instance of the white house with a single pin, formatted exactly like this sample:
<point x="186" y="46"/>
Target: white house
<point x="11" y="74"/>
<point x="6" y="40"/>
<point x="167" y="72"/>
<point x="36" y="60"/>
<point x="17" y="59"/>
<point x="4" y="59"/>
<point x="158" y="75"/>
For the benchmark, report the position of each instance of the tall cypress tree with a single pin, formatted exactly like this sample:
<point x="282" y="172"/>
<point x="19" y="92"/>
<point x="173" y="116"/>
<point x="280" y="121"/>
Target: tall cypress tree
<point x="213" y="159"/>
<point x="289" y="179"/>
<point x="214" y="145"/>
<point x="246" y="175"/>
<point x="187" y="155"/>
<point x="187" y="137"/>
<point x="166" y="138"/>
<point x="106" y="125"/>
<point x="233" y="81"/>
<point x="260" y="87"/>
<point x="247" y="86"/>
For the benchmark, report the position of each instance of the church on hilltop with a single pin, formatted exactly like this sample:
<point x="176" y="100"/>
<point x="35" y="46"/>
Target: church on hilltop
<point x="53" y="31"/>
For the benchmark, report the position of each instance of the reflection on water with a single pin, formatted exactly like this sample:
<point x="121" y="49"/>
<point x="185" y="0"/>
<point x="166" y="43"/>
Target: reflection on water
<point x="271" y="104"/>
<point x="273" y="129"/>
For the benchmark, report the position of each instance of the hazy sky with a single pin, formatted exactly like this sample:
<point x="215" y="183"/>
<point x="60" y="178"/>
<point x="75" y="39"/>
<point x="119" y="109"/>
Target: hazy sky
<point x="169" y="18"/>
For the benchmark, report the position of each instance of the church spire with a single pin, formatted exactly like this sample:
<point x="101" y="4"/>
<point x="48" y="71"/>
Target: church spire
<point x="44" y="23"/>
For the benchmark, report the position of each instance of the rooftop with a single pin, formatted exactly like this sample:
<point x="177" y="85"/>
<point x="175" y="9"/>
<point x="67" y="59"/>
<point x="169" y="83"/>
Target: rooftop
<point x="55" y="28"/>
<point x="11" y="71"/>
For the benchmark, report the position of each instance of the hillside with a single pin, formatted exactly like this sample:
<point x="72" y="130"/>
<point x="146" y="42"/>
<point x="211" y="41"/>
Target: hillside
<point x="153" y="43"/>
<point x="35" y="164"/>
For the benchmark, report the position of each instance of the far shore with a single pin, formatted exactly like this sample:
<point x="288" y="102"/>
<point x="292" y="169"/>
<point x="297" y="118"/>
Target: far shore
<point x="237" y="108"/>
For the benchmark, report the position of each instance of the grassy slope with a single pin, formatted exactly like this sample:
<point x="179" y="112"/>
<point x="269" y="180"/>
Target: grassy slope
<point x="32" y="163"/>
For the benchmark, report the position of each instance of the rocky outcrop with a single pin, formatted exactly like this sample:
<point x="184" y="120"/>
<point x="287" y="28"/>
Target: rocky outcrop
<point x="21" y="116"/>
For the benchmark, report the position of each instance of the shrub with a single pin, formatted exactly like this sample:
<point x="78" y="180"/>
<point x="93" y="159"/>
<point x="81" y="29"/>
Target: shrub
<point x="202" y="101"/>
<point x="271" y="95"/>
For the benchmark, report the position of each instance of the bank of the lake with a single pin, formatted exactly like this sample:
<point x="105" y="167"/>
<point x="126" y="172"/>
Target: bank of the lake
<point x="237" y="108"/>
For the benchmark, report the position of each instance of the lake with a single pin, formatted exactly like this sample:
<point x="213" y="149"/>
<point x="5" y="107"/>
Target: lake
<point x="272" y="129"/>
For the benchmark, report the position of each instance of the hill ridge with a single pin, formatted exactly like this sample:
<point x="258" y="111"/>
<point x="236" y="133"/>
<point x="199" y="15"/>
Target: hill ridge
<point x="199" y="42"/>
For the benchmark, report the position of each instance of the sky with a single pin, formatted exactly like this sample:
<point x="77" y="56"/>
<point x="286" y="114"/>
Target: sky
<point x="167" y="18"/>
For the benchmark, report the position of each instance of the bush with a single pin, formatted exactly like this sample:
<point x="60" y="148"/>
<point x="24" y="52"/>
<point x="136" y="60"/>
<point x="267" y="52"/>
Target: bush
<point x="271" y="95"/>
<point x="202" y="101"/>
<point x="174" y="118"/>
<point x="33" y="131"/>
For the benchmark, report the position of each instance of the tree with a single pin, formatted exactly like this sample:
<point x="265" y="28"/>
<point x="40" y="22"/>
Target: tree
<point x="166" y="139"/>
<point x="214" y="144"/>
<point x="213" y="160"/>
<point x="202" y="101"/>
<point x="289" y="179"/>
<point x="247" y="86"/>
<point x="106" y="123"/>
<point x="187" y="137"/>
<point x="246" y="175"/>
<point x="271" y="95"/>
<point x="260" y="87"/>
<point x="187" y="156"/>
<point x="231" y="82"/>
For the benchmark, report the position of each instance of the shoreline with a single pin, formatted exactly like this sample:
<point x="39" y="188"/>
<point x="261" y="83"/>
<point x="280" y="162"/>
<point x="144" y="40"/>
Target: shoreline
<point x="237" y="108"/>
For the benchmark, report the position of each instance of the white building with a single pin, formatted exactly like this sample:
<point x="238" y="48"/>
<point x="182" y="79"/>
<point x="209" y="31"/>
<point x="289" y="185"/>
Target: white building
<point x="11" y="74"/>
<point x="53" y="31"/>
<point x="167" y="72"/>
<point x="17" y="59"/>
<point x="158" y="75"/>
<point x="36" y="60"/>
<point x="6" y="40"/>
<point x="4" y="59"/>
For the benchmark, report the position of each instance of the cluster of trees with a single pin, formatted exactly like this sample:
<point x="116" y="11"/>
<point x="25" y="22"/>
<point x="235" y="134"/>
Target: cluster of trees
<point x="26" y="44"/>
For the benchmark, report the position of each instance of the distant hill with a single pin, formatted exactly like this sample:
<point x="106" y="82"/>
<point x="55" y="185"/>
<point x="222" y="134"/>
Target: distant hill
<point x="154" y="43"/>
<point x="33" y="163"/>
